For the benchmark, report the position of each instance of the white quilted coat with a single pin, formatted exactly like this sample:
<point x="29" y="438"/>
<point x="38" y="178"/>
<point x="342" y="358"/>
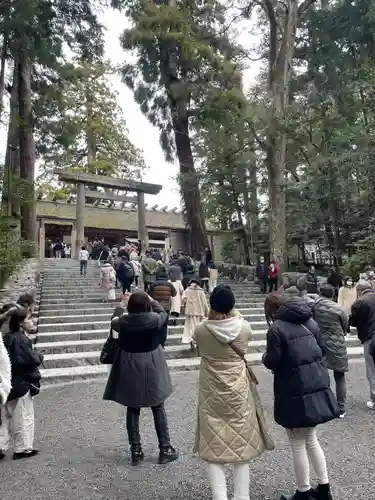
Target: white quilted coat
<point x="231" y="427"/>
<point x="5" y="373"/>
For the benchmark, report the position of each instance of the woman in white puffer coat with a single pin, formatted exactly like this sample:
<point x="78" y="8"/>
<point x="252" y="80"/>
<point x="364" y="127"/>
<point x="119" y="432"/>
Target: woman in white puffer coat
<point x="5" y="373"/>
<point x="5" y="368"/>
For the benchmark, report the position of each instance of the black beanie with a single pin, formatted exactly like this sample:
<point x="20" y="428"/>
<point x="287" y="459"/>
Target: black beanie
<point x="222" y="299"/>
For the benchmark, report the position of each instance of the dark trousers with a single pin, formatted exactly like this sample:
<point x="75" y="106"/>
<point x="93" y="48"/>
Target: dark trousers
<point x="136" y="280"/>
<point x="127" y="285"/>
<point x="340" y="382"/>
<point x="263" y="286"/>
<point x="161" y="426"/>
<point x="272" y="283"/>
<point x="83" y="266"/>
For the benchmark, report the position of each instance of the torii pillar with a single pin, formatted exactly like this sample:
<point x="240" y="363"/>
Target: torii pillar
<point x="142" y="228"/>
<point x="80" y="219"/>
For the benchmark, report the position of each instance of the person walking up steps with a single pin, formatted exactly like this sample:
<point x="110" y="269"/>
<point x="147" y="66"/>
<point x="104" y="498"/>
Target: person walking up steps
<point x="177" y="299"/>
<point x="303" y="398"/>
<point x="347" y="296"/>
<point x="196" y="309"/>
<point x="108" y="281"/>
<point x="83" y="260"/>
<point x="363" y="318"/>
<point x="18" y="412"/>
<point x="231" y="428"/>
<point x="333" y="324"/>
<point x="125" y="273"/>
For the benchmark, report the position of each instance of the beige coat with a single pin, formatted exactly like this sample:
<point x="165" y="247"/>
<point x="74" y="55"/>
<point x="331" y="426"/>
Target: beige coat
<point x="195" y="301"/>
<point x="231" y="427"/>
<point x="176" y="301"/>
<point x="347" y="297"/>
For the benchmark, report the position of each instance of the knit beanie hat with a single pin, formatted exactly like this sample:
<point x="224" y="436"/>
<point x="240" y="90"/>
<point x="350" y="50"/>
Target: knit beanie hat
<point x="222" y="299"/>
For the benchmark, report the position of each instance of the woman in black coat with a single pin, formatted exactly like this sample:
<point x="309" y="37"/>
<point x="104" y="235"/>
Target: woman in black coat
<point x="139" y="376"/>
<point x="303" y="398"/>
<point x="17" y="422"/>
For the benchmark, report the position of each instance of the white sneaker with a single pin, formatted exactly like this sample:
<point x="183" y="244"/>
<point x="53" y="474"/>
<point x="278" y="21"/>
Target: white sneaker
<point x="370" y="404"/>
<point x="342" y="415"/>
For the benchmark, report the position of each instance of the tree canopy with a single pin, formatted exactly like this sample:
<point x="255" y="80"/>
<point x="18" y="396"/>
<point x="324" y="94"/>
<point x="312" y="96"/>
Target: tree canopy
<point x="281" y="161"/>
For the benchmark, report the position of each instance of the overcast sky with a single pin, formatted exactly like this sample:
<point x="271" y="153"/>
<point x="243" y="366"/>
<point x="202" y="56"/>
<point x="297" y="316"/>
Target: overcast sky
<point x="141" y="132"/>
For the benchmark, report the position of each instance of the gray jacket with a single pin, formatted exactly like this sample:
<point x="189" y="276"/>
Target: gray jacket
<point x="333" y="324"/>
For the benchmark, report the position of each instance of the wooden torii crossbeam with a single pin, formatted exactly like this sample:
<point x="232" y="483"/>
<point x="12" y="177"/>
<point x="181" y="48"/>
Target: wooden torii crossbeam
<point x="98" y="195"/>
<point x="84" y="179"/>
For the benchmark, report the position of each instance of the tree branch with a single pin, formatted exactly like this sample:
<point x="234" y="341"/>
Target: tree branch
<point x="270" y="12"/>
<point x="304" y="7"/>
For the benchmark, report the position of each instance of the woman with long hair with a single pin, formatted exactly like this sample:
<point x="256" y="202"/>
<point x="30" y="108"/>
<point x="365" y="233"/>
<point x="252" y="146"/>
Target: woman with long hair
<point x="231" y="428"/>
<point x="139" y="377"/>
<point x="303" y="398"/>
<point x="18" y="412"/>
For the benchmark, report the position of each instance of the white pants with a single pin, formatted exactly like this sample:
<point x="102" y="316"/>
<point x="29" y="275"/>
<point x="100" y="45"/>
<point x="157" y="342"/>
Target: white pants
<point x="241" y="481"/>
<point x="17" y="425"/>
<point x="211" y="285"/>
<point x="305" y="446"/>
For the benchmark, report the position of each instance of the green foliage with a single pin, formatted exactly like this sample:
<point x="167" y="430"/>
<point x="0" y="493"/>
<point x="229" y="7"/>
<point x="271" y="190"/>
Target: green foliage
<point x="11" y="248"/>
<point x="81" y="128"/>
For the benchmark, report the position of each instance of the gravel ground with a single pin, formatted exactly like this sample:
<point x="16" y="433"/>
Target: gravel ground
<point x="84" y="451"/>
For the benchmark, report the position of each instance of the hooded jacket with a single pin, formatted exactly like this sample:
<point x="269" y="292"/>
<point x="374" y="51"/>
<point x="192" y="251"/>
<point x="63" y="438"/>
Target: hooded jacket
<point x="231" y="427"/>
<point x="301" y="381"/>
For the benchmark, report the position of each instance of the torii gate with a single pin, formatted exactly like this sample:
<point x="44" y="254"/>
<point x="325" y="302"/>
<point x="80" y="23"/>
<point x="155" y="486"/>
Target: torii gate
<point x="83" y="179"/>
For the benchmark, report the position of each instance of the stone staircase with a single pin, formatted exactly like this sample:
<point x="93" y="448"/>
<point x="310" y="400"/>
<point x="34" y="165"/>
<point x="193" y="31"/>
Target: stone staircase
<point x="74" y="323"/>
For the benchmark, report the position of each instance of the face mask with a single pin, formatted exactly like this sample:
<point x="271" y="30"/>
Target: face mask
<point x="349" y="283"/>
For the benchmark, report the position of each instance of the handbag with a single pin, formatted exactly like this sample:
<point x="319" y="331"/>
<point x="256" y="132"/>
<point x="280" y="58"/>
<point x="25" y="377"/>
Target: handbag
<point x="109" y="350"/>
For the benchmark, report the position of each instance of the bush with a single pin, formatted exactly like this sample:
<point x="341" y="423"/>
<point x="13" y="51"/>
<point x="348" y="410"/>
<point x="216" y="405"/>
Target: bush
<point x="362" y="259"/>
<point x="11" y="248"/>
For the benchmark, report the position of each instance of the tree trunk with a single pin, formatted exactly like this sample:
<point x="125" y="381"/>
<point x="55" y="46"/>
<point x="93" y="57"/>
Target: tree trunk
<point x="3" y="57"/>
<point x="180" y="122"/>
<point x="190" y="188"/>
<point x="11" y="166"/>
<point x="27" y="152"/>
<point x="279" y="80"/>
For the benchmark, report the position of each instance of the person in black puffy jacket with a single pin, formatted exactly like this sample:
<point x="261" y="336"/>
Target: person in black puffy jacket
<point x="18" y="413"/>
<point x="303" y="398"/>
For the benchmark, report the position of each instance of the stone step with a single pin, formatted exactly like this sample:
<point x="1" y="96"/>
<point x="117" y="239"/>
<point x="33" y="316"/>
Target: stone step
<point x="106" y="316"/>
<point x="92" y="290"/>
<point x="46" y="308"/>
<point x="100" y="325"/>
<point x="84" y="372"/>
<point x="256" y="344"/>
<point x="69" y="359"/>
<point x="90" y="302"/>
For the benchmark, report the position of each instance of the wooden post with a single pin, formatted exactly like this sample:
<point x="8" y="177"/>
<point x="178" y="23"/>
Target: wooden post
<point x="80" y="220"/>
<point x="142" y="228"/>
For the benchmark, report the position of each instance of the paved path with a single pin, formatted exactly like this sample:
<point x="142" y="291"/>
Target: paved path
<point x="84" y="450"/>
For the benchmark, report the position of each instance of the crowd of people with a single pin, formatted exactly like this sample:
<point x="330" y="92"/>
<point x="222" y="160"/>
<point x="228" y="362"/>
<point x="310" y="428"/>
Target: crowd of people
<point x="305" y="339"/>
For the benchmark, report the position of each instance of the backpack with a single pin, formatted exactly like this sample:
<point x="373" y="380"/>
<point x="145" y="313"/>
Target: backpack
<point x="125" y="270"/>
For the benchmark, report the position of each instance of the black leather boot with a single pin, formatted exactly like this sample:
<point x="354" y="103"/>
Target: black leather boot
<point x="299" y="495"/>
<point x="132" y="426"/>
<point x="322" y="492"/>
<point x="167" y="452"/>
